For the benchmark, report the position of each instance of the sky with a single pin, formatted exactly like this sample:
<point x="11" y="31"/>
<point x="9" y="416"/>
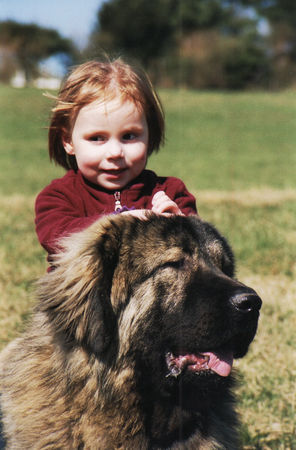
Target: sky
<point x="73" y="19"/>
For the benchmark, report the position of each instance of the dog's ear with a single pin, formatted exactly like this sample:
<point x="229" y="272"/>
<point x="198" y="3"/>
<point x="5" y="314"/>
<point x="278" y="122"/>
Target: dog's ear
<point x="76" y="293"/>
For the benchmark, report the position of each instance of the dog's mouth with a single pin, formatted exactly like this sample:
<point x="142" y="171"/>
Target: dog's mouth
<point x="219" y="362"/>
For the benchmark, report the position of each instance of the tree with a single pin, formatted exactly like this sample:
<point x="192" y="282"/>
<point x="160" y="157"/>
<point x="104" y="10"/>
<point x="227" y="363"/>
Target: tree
<point x="29" y="44"/>
<point x="141" y="29"/>
<point x="147" y="30"/>
<point x="281" y="41"/>
<point x="276" y="11"/>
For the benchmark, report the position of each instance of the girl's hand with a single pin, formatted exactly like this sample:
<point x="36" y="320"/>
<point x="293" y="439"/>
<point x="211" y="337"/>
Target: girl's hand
<point x="162" y="204"/>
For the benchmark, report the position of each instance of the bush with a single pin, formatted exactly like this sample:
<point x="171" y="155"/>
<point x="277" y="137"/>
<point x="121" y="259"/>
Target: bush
<point x="246" y="65"/>
<point x="207" y="60"/>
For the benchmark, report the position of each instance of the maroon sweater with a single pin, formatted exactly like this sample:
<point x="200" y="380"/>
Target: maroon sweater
<point x="72" y="203"/>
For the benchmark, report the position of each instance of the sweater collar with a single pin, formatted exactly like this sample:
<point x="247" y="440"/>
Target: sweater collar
<point x="136" y="183"/>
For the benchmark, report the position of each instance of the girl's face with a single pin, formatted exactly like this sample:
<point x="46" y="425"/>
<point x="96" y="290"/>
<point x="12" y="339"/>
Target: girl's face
<point x="110" y="142"/>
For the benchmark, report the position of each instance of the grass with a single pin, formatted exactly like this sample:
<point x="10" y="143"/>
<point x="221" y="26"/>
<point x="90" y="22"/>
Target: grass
<point x="263" y="235"/>
<point x="236" y="153"/>
<point x="230" y="141"/>
<point x="24" y="161"/>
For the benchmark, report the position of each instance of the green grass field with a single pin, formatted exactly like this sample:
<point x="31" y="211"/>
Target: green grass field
<point x="236" y="153"/>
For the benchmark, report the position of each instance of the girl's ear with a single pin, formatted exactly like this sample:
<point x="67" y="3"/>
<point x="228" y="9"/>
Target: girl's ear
<point x="67" y="144"/>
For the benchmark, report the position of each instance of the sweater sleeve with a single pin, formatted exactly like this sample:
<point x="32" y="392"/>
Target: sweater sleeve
<point x="58" y="214"/>
<point x="177" y="191"/>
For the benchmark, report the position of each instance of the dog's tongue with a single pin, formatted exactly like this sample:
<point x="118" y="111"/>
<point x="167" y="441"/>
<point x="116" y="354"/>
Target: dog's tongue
<point x="219" y="362"/>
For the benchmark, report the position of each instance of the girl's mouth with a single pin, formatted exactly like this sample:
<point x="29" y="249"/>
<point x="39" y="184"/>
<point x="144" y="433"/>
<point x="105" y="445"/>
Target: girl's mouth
<point x="114" y="172"/>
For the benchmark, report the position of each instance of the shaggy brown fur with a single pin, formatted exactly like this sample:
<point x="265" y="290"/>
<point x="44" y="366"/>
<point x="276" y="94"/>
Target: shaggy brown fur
<point x="120" y="351"/>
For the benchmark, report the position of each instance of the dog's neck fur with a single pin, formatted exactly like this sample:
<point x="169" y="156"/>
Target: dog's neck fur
<point x="179" y="425"/>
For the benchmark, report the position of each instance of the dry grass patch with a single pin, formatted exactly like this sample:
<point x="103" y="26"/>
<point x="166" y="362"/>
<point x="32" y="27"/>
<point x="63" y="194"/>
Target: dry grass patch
<point x="268" y="390"/>
<point x="252" y="197"/>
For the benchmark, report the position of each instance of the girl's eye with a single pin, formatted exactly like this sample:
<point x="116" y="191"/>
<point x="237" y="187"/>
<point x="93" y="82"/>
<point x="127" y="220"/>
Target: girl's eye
<point x="129" y="136"/>
<point x="96" y="138"/>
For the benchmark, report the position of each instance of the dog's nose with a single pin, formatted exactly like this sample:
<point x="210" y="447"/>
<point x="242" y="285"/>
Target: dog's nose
<point x="246" y="302"/>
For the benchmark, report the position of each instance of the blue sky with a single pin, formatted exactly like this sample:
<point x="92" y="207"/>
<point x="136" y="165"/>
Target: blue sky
<point x="74" y="19"/>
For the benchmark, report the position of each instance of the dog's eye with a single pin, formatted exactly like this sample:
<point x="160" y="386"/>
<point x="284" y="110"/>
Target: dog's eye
<point x="173" y="264"/>
<point x="228" y="267"/>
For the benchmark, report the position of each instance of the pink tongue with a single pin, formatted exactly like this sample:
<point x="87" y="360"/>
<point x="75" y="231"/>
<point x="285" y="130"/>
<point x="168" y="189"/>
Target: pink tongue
<point x="221" y="363"/>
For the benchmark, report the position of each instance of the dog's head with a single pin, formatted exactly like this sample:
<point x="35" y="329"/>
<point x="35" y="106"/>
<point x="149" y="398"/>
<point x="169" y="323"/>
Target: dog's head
<point x="159" y="292"/>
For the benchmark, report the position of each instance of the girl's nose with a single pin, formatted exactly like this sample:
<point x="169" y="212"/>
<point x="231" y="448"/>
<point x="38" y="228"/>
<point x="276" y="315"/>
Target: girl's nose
<point x="115" y="149"/>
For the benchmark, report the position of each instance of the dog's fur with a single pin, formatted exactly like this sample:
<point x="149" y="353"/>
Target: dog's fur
<point x="100" y="365"/>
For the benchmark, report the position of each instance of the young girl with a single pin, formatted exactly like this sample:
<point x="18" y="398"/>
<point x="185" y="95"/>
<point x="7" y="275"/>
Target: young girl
<point x="107" y="121"/>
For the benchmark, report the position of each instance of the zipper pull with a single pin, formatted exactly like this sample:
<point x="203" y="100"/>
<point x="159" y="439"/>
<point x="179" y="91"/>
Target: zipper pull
<point x="117" y="201"/>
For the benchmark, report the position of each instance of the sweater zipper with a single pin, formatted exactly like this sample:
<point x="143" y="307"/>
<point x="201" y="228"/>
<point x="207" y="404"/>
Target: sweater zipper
<point x="117" y="201"/>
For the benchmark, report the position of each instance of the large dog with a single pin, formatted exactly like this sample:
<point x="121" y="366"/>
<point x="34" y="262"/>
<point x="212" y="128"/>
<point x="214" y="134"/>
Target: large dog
<point x="132" y="341"/>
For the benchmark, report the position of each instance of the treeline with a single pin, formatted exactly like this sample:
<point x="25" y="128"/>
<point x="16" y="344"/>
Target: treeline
<point x="205" y="44"/>
<point x="24" y="46"/>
